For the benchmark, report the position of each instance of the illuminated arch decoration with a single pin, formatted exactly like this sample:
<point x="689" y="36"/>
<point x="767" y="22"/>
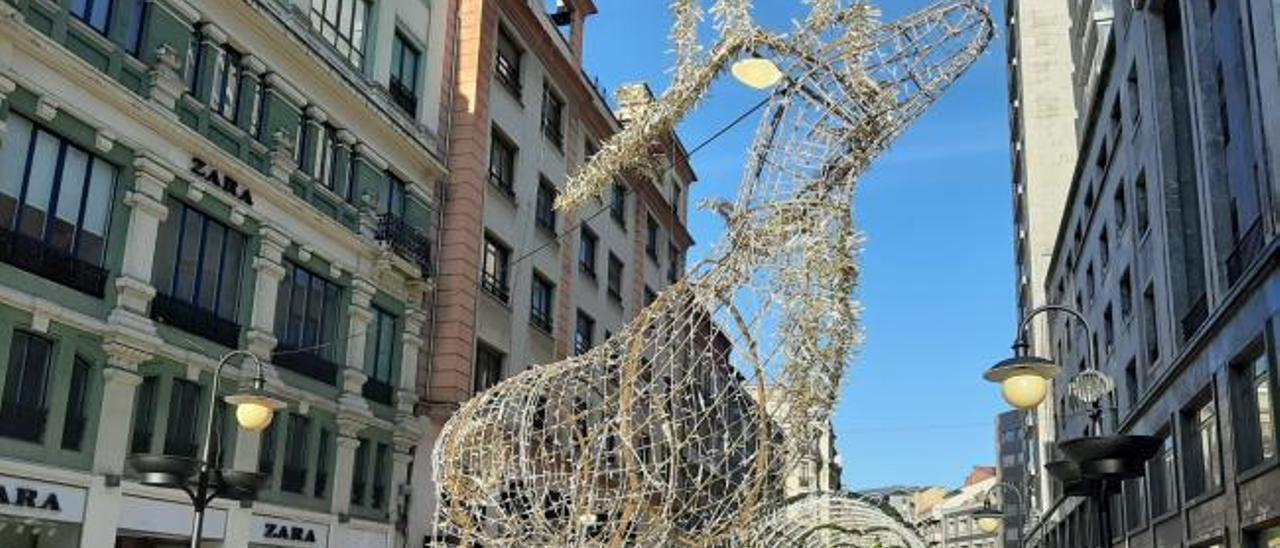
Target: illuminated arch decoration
<point x="825" y="520"/>
<point x="680" y="429"/>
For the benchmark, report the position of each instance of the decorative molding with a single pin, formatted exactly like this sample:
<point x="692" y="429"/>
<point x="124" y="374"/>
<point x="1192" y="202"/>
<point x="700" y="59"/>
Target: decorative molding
<point x="194" y="192"/>
<point x="253" y="65"/>
<point x="133" y="294"/>
<point x="371" y="157"/>
<point x="213" y="34"/>
<point x="304" y="253"/>
<point x="40" y="321"/>
<point x="316" y="114"/>
<point x="47" y="108"/>
<point x="181" y="8"/>
<point x="104" y="140"/>
<point x="278" y="83"/>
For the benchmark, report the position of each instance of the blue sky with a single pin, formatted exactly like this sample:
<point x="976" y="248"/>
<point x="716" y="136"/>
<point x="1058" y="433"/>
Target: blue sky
<point x="937" y="282"/>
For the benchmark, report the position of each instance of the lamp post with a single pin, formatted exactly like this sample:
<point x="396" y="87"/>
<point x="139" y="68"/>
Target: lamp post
<point x="989" y="518"/>
<point x="1095" y="460"/>
<point x="254" y="411"/>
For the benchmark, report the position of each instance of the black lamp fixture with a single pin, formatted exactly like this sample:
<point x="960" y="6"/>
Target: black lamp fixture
<point x="254" y="411"/>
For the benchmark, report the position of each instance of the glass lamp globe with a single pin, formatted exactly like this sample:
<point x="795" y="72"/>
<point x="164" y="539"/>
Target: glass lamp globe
<point x="254" y="411"/>
<point x="988" y="524"/>
<point x="756" y="72"/>
<point x="1024" y="380"/>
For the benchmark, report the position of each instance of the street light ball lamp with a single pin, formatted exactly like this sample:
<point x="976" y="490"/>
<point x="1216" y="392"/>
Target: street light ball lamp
<point x="988" y="518"/>
<point x="756" y="72"/>
<point x="1024" y="379"/>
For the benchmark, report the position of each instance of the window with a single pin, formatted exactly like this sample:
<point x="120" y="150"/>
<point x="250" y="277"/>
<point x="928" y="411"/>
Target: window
<point x="1089" y="282"/>
<point x="615" y="278"/>
<point x="1254" y="406"/>
<point x="494" y="277"/>
<point x="1126" y="296"/>
<point x="95" y="13"/>
<point x="1201" y="456"/>
<point x="488" y="367"/>
<point x="293" y="478"/>
<point x="360" y="471"/>
<point x="54" y="193"/>
<point x="675" y="199"/>
<point x="651" y="238"/>
<point x="1135" y="503"/>
<point x="25" y="406"/>
<point x="1108" y="329"/>
<point x="1269" y="538"/>
<point x="544" y="214"/>
<point x="1104" y="248"/>
<point x="342" y="24"/>
<point x="321" y="484"/>
<point x="137" y="16"/>
<point x="618" y="205"/>
<point x="381" y="471"/>
<point x="73" y="425"/>
<point x="674" y="263"/>
<point x="267" y="447"/>
<point x="1132" y="388"/>
<point x="1134" y="93"/>
<point x="199" y="263"/>
<point x="1140" y="189"/>
<point x="1120" y="205"/>
<point x="502" y="163"/>
<point x="307" y="313"/>
<point x="584" y="333"/>
<point x="649" y="296"/>
<point x="403" y="84"/>
<point x="1150" y="323"/>
<point x="541" y="302"/>
<point x="587" y="252"/>
<point x="393" y="203"/>
<point x="322" y="161"/>
<point x="552" y="116"/>
<point x="1162" y="471"/>
<point x="224" y="97"/>
<point x="507" y="63"/>
<point x="383" y="344"/>
<point x="180" y="435"/>
<point x="144" y="416"/>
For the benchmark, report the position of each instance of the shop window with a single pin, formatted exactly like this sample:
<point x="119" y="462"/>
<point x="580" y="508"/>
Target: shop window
<point x="198" y="269"/>
<point x="24" y="409"/>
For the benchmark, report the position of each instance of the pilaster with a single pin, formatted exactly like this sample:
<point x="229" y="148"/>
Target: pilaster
<point x="359" y="312"/>
<point x="250" y="83"/>
<point x="115" y="417"/>
<point x="211" y="40"/>
<point x="146" y="212"/>
<point x="344" y="464"/>
<point x="268" y="271"/>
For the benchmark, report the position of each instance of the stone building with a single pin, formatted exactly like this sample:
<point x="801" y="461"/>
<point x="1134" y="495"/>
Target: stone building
<point x="1167" y="244"/>
<point x="949" y="522"/>
<point x="179" y="179"/>
<point x="1013" y="474"/>
<point x="521" y="284"/>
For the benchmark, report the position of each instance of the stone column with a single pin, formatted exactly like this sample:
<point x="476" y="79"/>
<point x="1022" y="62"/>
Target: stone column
<point x="359" y="313"/>
<point x="311" y="124"/>
<point x="398" y="505"/>
<point x="250" y="83"/>
<point x="410" y="352"/>
<point x="115" y="418"/>
<point x="146" y="212"/>
<point x="344" y="464"/>
<point x="269" y="270"/>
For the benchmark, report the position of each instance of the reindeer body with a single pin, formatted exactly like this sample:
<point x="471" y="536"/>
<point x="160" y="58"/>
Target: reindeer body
<point x="682" y="428"/>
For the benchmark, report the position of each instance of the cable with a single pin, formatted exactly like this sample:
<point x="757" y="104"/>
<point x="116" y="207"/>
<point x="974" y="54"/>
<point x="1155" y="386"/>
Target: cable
<point x="719" y="133"/>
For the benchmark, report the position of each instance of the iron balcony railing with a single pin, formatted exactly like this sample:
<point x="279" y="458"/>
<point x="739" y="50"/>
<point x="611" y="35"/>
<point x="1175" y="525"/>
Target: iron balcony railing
<point x="540" y="319"/>
<point x="22" y="422"/>
<point x="1245" y="253"/>
<point x="195" y="320"/>
<point x="405" y="240"/>
<point x="495" y="286"/>
<point x="306" y="364"/>
<point x="377" y="390"/>
<point x="41" y="259"/>
<point x="403" y="97"/>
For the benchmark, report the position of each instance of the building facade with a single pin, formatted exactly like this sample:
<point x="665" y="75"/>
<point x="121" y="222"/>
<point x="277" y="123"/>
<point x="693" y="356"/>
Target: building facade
<point x="1042" y="129"/>
<point x="179" y="179"/>
<point x="1013" y="481"/>
<point x="949" y="523"/>
<point x="521" y="284"/>
<point x="1167" y="245"/>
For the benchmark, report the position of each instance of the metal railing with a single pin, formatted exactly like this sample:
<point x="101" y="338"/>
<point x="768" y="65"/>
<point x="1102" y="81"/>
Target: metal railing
<point x="41" y="259"/>
<point x="403" y="97"/>
<point x="1247" y="249"/>
<point x="195" y="320"/>
<point x="306" y="364"/>
<point x="493" y="286"/>
<point x="405" y="240"/>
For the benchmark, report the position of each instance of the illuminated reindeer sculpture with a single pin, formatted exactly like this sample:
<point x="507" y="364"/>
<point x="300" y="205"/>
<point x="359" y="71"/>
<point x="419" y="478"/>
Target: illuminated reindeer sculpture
<point x="680" y="429"/>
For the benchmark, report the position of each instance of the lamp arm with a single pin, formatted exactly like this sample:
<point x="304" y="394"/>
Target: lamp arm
<point x="207" y="456"/>
<point x="1021" y="340"/>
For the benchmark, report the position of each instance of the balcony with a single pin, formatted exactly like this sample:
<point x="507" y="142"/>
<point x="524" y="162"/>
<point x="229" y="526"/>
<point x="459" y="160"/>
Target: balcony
<point x="1245" y="253"/>
<point x="541" y="320"/>
<point x="377" y="390"/>
<point x="293" y="479"/>
<point x="36" y="257"/>
<point x="403" y="97"/>
<point x="306" y="364"/>
<point x="22" y="422"/>
<point x="195" y="320"/>
<point x="494" y="286"/>
<point x="405" y="240"/>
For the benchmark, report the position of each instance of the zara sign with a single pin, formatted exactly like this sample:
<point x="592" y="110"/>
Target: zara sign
<point x="41" y="500"/>
<point x="277" y="531"/>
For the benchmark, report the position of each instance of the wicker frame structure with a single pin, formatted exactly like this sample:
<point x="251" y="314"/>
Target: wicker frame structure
<point x="680" y="429"/>
<point x="821" y="520"/>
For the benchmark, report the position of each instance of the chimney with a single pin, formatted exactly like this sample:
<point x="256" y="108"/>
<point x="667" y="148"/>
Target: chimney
<point x="632" y="98"/>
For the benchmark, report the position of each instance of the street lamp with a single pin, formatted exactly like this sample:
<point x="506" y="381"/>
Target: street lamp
<point x="1024" y="379"/>
<point x="989" y="517"/>
<point x="254" y="411"/>
<point x="756" y="72"/>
